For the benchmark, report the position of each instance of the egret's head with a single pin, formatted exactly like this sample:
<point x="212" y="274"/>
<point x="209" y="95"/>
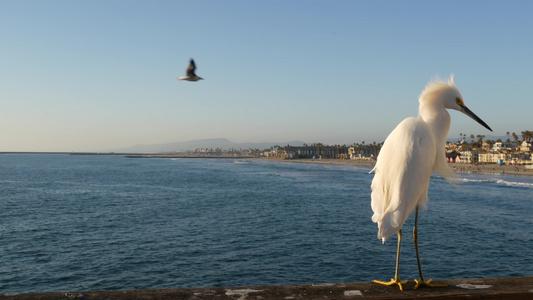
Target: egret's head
<point x="445" y="94"/>
<point x="441" y="94"/>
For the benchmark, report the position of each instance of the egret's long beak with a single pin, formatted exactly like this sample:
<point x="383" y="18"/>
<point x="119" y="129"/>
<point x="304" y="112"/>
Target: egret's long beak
<point x="472" y="115"/>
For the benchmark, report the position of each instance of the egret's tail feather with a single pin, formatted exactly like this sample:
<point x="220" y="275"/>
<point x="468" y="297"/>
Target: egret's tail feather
<point x="388" y="224"/>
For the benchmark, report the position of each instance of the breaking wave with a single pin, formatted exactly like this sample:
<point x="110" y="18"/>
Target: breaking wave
<point x="499" y="182"/>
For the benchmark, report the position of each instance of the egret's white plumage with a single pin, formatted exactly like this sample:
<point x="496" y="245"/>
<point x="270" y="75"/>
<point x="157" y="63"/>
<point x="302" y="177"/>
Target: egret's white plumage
<point x="403" y="168"/>
<point x="412" y="151"/>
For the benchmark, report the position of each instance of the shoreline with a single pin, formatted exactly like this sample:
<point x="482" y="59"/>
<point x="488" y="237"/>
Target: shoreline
<point x="492" y="169"/>
<point x="457" y="167"/>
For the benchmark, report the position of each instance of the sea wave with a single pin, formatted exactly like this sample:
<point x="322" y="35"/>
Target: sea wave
<point x="514" y="183"/>
<point x="499" y="182"/>
<point x="240" y="162"/>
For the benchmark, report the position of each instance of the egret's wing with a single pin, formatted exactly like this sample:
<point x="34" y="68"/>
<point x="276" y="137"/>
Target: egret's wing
<point x="191" y="68"/>
<point x="403" y="168"/>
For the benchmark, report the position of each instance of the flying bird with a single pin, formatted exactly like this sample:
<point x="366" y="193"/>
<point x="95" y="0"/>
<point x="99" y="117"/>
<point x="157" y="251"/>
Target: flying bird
<point x="411" y="152"/>
<point x="191" y="76"/>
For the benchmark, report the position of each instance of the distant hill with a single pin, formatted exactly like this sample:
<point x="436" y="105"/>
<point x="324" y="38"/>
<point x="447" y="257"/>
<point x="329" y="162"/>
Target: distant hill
<point x="204" y="143"/>
<point x="226" y="144"/>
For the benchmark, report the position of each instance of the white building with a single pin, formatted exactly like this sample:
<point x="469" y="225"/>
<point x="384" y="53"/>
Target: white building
<point x="503" y="146"/>
<point x="526" y="146"/>
<point x="469" y="157"/>
<point x="507" y="158"/>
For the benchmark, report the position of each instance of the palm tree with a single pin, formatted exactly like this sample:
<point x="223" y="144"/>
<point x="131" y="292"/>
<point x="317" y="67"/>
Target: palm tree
<point x="463" y="136"/>
<point x="491" y="143"/>
<point x="527" y="135"/>
<point x="515" y="137"/>
<point x="375" y="149"/>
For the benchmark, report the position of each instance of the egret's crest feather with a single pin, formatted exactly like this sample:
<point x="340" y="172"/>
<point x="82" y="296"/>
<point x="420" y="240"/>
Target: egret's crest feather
<point x="450" y="81"/>
<point x="437" y="85"/>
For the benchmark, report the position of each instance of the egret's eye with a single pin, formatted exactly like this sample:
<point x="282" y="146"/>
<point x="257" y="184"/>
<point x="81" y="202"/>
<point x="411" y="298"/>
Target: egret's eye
<point x="459" y="101"/>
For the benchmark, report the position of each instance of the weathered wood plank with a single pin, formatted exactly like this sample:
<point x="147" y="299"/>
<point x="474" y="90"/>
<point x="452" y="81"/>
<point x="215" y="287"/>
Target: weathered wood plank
<point x="477" y="288"/>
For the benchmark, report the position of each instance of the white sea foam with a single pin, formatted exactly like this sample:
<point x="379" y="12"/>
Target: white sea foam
<point x="476" y="180"/>
<point x="499" y="182"/>
<point x="514" y="183"/>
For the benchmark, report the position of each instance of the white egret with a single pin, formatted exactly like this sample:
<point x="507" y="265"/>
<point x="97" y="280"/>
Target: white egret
<point x="412" y="151"/>
<point x="191" y="76"/>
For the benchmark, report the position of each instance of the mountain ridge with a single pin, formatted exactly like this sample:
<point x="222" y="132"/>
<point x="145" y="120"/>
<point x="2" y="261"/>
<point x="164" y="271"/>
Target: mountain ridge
<point x="192" y="145"/>
<point x="226" y="144"/>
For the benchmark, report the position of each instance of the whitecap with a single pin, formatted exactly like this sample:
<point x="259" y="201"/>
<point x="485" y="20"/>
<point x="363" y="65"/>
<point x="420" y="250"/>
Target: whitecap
<point x="514" y="183"/>
<point x="498" y="182"/>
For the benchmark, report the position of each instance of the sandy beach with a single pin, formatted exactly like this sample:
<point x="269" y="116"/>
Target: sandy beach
<point x="458" y="167"/>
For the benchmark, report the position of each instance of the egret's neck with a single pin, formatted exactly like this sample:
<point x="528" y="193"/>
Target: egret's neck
<point x="439" y="120"/>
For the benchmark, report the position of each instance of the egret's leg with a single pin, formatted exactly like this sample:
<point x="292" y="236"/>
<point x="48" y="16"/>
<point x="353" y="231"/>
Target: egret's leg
<point x="396" y="279"/>
<point x="421" y="281"/>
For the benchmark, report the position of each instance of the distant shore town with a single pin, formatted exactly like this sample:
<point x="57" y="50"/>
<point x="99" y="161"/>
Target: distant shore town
<point x="509" y="157"/>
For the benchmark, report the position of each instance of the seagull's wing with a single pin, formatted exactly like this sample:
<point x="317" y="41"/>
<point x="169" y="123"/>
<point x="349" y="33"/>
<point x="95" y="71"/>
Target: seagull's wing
<point x="191" y="68"/>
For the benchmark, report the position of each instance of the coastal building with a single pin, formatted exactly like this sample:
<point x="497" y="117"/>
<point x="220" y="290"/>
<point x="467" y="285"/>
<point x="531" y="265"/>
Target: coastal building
<point x="506" y="157"/>
<point x="469" y="157"/>
<point x="309" y="151"/>
<point x="521" y="158"/>
<point x="362" y="153"/>
<point x="503" y="146"/>
<point x="453" y="157"/>
<point x="451" y="146"/>
<point x="490" y="152"/>
<point x="526" y="146"/>
<point x="492" y="157"/>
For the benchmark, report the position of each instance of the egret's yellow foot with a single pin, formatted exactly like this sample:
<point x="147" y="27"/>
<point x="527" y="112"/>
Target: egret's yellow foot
<point x="428" y="283"/>
<point x="393" y="281"/>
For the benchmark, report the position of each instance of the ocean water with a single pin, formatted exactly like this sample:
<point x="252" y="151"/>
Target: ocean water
<point x="72" y="222"/>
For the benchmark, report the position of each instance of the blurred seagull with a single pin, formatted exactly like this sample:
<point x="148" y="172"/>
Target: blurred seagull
<point x="191" y="76"/>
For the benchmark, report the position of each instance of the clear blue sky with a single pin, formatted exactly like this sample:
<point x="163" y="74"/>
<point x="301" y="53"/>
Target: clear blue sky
<point x="101" y="75"/>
